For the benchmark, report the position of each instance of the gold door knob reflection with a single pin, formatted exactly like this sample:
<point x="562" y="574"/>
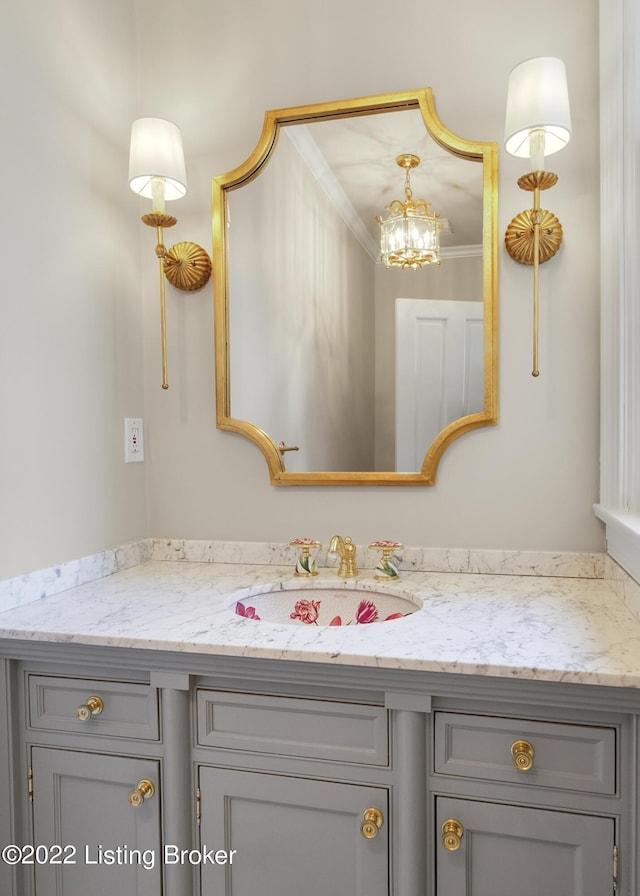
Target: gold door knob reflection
<point x="452" y="832"/>
<point x="522" y="752"/>
<point x="93" y="707"/>
<point x="372" y="820"/>
<point x="282" y="448"/>
<point x="143" y="790"/>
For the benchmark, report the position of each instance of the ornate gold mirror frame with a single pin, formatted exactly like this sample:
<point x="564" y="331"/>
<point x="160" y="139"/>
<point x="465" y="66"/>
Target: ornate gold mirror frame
<point x="484" y="153"/>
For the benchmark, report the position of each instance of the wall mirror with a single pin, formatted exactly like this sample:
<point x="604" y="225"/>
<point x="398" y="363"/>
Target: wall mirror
<point x="341" y="370"/>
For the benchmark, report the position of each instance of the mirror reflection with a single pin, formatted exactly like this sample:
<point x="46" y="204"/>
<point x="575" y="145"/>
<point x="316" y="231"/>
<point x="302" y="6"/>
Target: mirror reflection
<point x="342" y="369"/>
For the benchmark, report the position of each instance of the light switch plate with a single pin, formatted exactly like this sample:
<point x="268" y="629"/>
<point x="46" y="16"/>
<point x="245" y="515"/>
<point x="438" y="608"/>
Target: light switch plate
<point x="133" y="440"/>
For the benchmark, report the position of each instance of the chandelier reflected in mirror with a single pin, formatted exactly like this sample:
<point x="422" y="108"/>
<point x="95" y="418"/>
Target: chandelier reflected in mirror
<point x="410" y="236"/>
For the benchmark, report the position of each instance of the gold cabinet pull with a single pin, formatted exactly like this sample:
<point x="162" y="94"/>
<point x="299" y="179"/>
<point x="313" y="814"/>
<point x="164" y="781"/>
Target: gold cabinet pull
<point x="452" y="832"/>
<point x="143" y="790"/>
<point x="522" y="752"/>
<point x="372" y="820"/>
<point x="93" y="707"/>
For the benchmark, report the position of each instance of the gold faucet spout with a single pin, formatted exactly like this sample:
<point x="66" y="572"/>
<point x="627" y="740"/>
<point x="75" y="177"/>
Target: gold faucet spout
<point x="346" y="550"/>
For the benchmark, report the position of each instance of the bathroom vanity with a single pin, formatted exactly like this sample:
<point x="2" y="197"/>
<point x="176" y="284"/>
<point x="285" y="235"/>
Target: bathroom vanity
<point x="159" y="743"/>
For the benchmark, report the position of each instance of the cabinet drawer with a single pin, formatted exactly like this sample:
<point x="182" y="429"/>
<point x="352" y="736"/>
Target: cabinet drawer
<point x="287" y="726"/>
<point x="567" y="757"/>
<point x="128" y="710"/>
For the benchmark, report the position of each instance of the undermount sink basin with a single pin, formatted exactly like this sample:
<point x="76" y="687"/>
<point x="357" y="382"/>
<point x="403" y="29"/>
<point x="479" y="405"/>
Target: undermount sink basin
<point x="322" y="606"/>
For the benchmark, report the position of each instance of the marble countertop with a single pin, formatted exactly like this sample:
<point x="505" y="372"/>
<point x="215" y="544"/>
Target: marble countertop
<point x="544" y="628"/>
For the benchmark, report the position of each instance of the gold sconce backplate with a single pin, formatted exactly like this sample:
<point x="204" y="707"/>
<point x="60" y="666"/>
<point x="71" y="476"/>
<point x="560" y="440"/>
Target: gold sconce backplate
<point x="187" y="266"/>
<point x="519" y="239"/>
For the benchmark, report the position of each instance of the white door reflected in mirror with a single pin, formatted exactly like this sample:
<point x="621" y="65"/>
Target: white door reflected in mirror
<point x="439" y="377"/>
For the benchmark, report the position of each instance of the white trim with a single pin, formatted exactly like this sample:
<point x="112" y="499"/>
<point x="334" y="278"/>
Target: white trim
<point x="623" y="537"/>
<point x="470" y="251"/>
<point x="619" y="506"/>
<point x="612" y="244"/>
<point x="312" y="155"/>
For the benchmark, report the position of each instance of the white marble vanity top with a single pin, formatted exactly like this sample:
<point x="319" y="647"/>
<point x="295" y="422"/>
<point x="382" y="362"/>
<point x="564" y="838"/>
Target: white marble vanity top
<point x="517" y="626"/>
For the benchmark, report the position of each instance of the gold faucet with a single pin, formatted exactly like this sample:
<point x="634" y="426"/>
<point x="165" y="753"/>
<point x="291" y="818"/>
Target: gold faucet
<point x="346" y="550"/>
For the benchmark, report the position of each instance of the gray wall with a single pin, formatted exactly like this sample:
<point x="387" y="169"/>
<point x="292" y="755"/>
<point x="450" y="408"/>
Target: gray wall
<point x="71" y="330"/>
<point x="80" y="334"/>
<point x="301" y="319"/>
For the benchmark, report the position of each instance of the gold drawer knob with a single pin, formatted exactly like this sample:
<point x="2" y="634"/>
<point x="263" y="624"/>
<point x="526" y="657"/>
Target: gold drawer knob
<point x="93" y="707"/>
<point x="452" y="832"/>
<point x="522" y="752"/>
<point x="372" y="820"/>
<point x="143" y="790"/>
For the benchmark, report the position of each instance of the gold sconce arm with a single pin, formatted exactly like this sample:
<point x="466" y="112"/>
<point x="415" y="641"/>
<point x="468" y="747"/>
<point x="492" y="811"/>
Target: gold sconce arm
<point x="533" y="237"/>
<point x="186" y="266"/>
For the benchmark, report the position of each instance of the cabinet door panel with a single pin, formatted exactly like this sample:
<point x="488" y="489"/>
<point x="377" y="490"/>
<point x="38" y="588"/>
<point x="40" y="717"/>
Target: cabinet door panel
<point x="81" y="800"/>
<point x="292" y="836"/>
<point x="509" y="849"/>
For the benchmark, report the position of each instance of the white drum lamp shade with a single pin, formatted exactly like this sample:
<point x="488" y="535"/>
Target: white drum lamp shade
<point x="537" y="101"/>
<point x="156" y="153"/>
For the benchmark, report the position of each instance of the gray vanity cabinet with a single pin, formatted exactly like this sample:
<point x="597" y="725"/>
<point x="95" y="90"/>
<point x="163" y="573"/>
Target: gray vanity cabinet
<point x="535" y="807"/>
<point x="278" y="779"/>
<point x="92" y="751"/>
<point x="292" y="808"/>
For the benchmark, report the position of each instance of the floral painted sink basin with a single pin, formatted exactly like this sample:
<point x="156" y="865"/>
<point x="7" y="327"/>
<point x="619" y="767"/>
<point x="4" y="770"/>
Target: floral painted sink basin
<point x="323" y="606"/>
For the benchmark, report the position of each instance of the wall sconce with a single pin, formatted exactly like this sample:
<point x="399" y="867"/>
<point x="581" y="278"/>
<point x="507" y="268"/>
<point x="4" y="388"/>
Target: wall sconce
<point x="157" y="171"/>
<point x="538" y="123"/>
